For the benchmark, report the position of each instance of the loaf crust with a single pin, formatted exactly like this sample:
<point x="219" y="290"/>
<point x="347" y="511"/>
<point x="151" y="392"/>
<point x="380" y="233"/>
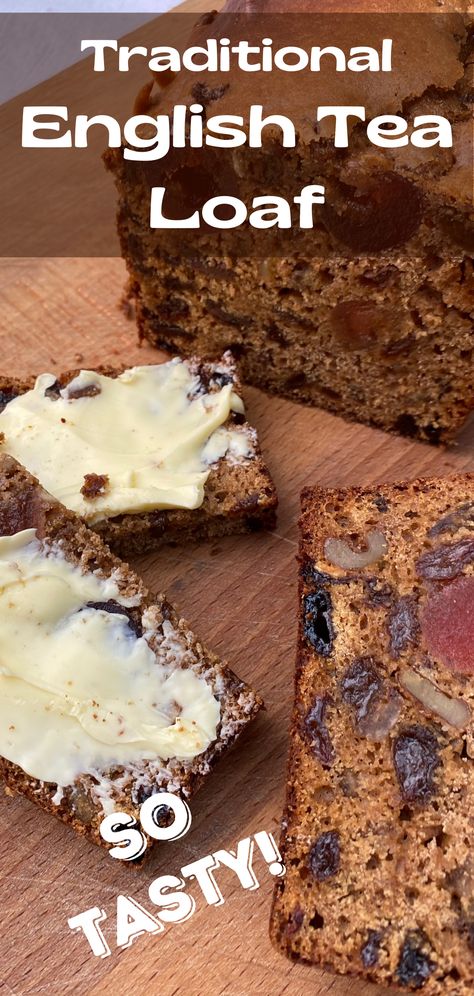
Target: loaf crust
<point x="240" y="496"/>
<point x="377" y="831"/>
<point x="24" y="505"/>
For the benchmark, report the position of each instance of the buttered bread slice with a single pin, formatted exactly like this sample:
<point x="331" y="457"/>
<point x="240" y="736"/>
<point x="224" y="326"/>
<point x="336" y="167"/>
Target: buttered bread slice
<point x="154" y="453"/>
<point x="106" y="696"/>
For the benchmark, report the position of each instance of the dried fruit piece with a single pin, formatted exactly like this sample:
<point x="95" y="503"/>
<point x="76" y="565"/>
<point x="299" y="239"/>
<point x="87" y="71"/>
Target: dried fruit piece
<point x="414" y="965"/>
<point x="403" y="625"/>
<point x="461" y="517"/>
<point x="339" y="553"/>
<point x="95" y="485"/>
<point x="382" y="716"/>
<point x="317" y="732"/>
<point x="317" y="621"/>
<point x="384" y="215"/>
<point x="83" y="807"/>
<point x="115" y="608"/>
<point x="377" y="593"/>
<point x="459" y="231"/>
<point x="53" y="392"/>
<point x="446" y="561"/>
<point x="88" y="391"/>
<point x="360" y="324"/>
<point x="6" y="397"/>
<point x="453" y="711"/>
<point x="448" y="625"/>
<point x="416" y="758"/>
<point x="204" y="94"/>
<point x="377" y="705"/>
<point x="370" y="950"/>
<point x="325" y="855"/>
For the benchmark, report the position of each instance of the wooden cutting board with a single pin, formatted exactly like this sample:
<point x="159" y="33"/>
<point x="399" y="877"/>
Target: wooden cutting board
<point x="240" y="595"/>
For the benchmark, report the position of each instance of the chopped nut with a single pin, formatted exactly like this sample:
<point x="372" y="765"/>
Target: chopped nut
<point x="454" y="711"/>
<point x="339" y="553"/>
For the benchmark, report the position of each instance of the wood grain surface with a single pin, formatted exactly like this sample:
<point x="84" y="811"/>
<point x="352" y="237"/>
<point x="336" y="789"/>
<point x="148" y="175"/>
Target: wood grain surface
<point x="239" y="594"/>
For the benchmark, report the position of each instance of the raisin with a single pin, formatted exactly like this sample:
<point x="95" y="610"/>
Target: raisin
<point x="461" y="517"/>
<point x="88" y="391"/>
<point x="416" y="758"/>
<point x="325" y="856"/>
<point x="295" y="921"/>
<point x="317" y="621"/>
<point x="386" y="215"/>
<point x="212" y="379"/>
<point x="219" y="310"/>
<point x="123" y="610"/>
<point x="470" y="935"/>
<point x="406" y="425"/>
<point x="377" y="593"/>
<point x="6" y="397"/>
<point x="359" y="324"/>
<point x="360" y="684"/>
<point x="414" y="966"/>
<point x="377" y="705"/>
<point x="164" y="816"/>
<point x="95" y="485"/>
<point x="447" y="561"/>
<point x="381" y="503"/>
<point x="317" y="732"/>
<point x="54" y="391"/>
<point x="403" y="625"/>
<point x="371" y="949"/>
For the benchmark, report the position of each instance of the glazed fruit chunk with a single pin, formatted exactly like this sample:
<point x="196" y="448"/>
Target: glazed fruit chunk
<point x="385" y="214"/>
<point x="448" y="625"/>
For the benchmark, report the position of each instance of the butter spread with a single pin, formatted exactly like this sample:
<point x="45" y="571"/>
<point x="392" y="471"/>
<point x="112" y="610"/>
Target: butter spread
<point x="79" y="691"/>
<point x="148" y="435"/>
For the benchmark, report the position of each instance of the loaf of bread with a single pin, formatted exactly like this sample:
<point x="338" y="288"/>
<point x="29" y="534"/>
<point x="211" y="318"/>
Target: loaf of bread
<point x="377" y="834"/>
<point x="146" y="456"/>
<point x="107" y="697"/>
<point x="368" y="315"/>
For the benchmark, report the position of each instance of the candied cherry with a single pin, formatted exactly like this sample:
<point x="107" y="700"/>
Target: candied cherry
<point x="448" y="625"/>
<point x="359" y="324"/>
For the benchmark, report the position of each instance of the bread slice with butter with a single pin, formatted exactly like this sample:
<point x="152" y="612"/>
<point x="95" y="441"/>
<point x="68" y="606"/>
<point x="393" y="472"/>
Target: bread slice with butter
<point x="106" y="696"/>
<point x="147" y="455"/>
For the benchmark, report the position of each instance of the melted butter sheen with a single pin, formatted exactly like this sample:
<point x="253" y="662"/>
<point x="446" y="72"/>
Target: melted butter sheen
<point x="143" y="430"/>
<point x="78" y="690"/>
